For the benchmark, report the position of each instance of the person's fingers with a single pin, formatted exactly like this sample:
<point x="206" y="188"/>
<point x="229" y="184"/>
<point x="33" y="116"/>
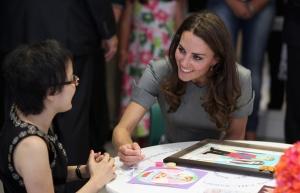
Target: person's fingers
<point x="92" y="155"/>
<point x="123" y="148"/>
<point x="126" y="158"/>
<point x="112" y="161"/>
<point x="99" y="158"/>
<point x="97" y="154"/>
<point x="136" y="146"/>
<point x="111" y="48"/>
<point x="106" y="154"/>
<point x="130" y="152"/>
<point x="114" y="176"/>
<point x="91" y="159"/>
<point x="105" y="157"/>
<point x="110" y="53"/>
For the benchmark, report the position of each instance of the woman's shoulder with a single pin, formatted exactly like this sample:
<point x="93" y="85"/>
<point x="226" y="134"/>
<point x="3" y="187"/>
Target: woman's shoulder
<point x="243" y="72"/>
<point x="160" y="68"/>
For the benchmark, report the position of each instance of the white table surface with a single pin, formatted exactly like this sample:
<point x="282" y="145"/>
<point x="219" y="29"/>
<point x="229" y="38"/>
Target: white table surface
<point x="213" y="182"/>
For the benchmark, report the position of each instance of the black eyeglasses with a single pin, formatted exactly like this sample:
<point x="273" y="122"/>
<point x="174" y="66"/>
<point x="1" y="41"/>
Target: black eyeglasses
<point x="75" y="81"/>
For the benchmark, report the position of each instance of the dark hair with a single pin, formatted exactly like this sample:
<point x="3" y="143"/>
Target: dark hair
<point x="223" y="87"/>
<point x="33" y="71"/>
<point x="145" y="2"/>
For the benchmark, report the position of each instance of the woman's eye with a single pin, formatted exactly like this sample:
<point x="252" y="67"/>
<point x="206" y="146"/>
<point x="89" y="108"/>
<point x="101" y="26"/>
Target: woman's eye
<point x="196" y="57"/>
<point x="181" y="50"/>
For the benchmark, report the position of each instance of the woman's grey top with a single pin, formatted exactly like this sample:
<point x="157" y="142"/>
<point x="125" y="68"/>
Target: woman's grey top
<point x="190" y="121"/>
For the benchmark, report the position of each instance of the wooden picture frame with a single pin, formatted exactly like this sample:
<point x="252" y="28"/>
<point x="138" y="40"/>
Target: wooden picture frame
<point x="230" y="156"/>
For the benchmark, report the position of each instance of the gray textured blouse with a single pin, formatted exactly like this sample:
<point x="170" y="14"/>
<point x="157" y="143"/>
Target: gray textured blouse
<point x="190" y="122"/>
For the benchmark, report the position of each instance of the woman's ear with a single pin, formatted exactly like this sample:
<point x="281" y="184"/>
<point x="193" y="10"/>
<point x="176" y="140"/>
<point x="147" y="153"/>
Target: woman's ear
<point x="215" y="61"/>
<point x="51" y="94"/>
<point x="50" y="97"/>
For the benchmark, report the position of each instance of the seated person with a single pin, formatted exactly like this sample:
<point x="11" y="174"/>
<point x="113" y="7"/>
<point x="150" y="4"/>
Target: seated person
<point x="41" y="82"/>
<point x="199" y="87"/>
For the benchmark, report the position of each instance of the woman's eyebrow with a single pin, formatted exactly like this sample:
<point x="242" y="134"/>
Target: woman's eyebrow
<point x="198" y="54"/>
<point x="194" y="53"/>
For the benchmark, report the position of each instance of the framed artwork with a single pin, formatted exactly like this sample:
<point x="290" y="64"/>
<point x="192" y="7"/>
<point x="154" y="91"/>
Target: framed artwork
<point x="267" y="189"/>
<point x="230" y="157"/>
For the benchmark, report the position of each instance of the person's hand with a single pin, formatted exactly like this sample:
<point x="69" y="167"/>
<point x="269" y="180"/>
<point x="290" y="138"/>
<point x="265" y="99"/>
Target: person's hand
<point x="239" y="9"/>
<point x="110" y="46"/>
<point x="98" y="156"/>
<point x="102" y="171"/>
<point x="123" y="59"/>
<point x="130" y="154"/>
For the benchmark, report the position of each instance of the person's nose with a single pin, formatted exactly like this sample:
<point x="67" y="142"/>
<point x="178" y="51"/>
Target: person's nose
<point x="185" y="61"/>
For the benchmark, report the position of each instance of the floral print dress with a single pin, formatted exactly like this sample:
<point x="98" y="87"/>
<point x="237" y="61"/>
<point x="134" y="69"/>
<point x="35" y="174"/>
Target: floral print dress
<point x="152" y="29"/>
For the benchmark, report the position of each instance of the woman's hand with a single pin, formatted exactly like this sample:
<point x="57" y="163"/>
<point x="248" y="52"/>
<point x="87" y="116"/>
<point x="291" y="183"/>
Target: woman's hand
<point x="130" y="154"/>
<point x="110" y="46"/>
<point x="101" y="167"/>
<point x="239" y="9"/>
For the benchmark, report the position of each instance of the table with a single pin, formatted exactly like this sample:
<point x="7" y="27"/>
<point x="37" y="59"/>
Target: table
<point x="213" y="182"/>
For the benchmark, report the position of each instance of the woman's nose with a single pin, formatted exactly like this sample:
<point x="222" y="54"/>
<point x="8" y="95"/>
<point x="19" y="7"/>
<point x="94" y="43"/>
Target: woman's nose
<point x="185" y="61"/>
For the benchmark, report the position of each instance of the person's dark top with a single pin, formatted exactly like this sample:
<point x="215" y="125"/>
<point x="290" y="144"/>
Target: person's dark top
<point x="292" y="23"/>
<point x="15" y="130"/>
<point x="79" y="25"/>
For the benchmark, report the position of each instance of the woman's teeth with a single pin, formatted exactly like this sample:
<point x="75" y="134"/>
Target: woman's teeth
<point x="185" y="70"/>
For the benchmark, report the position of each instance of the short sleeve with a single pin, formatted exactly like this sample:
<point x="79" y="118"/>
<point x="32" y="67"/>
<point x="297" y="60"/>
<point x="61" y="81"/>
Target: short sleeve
<point x="147" y="90"/>
<point x="246" y="100"/>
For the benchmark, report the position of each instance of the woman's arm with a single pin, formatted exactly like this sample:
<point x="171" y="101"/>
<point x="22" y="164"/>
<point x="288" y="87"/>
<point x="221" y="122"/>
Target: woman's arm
<point x="129" y="152"/>
<point x="124" y="33"/>
<point x="84" y="172"/>
<point x="72" y="173"/>
<point x="32" y="164"/>
<point x="180" y="10"/>
<point x="237" y="128"/>
<point x="101" y="172"/>
<point x="31" y="161"/>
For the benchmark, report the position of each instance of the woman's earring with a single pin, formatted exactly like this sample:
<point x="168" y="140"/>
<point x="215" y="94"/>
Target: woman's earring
<point x="212" y="67"/>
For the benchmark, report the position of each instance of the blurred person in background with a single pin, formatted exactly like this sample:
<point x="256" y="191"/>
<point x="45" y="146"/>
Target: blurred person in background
<point x="254" y="19"/>
<point x="292" y="39"/>
<point x="147" y="27"/>
<point x="274" y="51"/>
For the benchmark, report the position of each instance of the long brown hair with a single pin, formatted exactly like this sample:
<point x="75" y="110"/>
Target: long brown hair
<point x="223" y="88"/>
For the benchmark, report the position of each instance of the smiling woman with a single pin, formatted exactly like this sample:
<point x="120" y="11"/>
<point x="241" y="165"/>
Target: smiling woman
<point x="194" y="58"/>
<point x="201" y="90"/>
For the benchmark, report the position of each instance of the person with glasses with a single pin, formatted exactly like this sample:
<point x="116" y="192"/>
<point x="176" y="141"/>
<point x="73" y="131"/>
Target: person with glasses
<point x="41" y="83"/>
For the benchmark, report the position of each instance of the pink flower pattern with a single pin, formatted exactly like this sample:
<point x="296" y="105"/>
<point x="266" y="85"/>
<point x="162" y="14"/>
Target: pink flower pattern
<point x="150" y="38"/>
<point x="161" y="15"/>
